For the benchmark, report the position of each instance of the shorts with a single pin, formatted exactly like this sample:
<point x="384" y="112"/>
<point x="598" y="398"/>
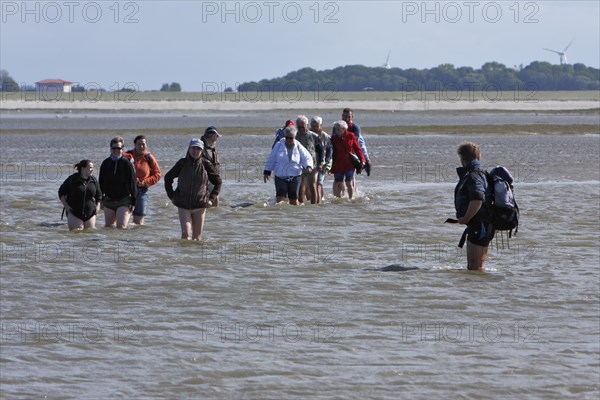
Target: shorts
<point x="321" y="177"/>
<point x="116" y="204"/>
<point x="480" y="233"/>
<point x="339" y="177"/>
<point x="191" y="211"/>
<point x="288" y="187"/>
<point x="141" y="202"/>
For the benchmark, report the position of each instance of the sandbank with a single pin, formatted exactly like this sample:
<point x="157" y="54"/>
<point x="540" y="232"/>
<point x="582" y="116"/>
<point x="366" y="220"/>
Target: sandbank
<point x="381" y="105"/>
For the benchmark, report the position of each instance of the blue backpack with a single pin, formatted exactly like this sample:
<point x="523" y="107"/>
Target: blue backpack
<point x="502" y="207"/>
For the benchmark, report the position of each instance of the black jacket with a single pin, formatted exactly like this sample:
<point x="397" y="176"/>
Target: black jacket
<point x="82" y="195"/>
<point x="117" y="179"/>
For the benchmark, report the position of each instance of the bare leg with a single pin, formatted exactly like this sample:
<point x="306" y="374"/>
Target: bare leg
<point x="279" y="199"/>
<point x="312" y="186"/>
<point x="198" y="224"/>
<point x="294" y="202"/>
<point x="74" y="223"/>
<point x="338" y="189"/>
<point x="138" y="219"/>
<point x="319" y="193"/>
<point x="476" y="256"/>
<point x="185" y="220"/>
<point x="350" y="186"/>
<point x="123" y="214"/>
<point x="90" y="223"/>
<point x="110" y="218"/>
<point x="303" y="189"/>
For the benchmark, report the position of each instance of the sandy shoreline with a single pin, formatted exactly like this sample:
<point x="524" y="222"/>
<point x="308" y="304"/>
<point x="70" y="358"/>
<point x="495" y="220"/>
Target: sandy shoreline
<point x="386" y="105"/>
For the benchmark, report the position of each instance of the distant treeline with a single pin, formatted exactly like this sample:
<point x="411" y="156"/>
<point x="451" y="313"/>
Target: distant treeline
<point x="537" y="75"/>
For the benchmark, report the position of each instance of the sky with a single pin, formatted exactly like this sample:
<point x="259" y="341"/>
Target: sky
<point x="204" y="45"/>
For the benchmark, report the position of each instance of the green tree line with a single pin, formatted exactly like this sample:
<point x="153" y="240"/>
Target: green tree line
<point x="537" y="75"/>
<point x="7" y="83"/>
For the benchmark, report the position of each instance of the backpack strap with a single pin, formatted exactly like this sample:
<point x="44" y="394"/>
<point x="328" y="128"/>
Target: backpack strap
<point x="518" y="214"/>
<point x="461" y="243"/>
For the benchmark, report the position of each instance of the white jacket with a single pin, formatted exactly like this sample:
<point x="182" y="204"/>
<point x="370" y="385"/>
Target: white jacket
<point x="280" y="162"/>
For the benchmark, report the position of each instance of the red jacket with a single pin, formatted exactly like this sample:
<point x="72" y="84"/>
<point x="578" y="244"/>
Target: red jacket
<point x="342" y="146"/>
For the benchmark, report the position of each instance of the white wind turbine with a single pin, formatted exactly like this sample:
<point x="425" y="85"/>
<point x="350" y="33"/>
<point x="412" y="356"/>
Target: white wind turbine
<point x="562" y="54"/>
<point x="387" y="62"/>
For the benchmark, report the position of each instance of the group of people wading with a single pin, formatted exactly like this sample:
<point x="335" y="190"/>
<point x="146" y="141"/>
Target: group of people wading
<point x="301" y="155"/>
<point x="122" y="187"/>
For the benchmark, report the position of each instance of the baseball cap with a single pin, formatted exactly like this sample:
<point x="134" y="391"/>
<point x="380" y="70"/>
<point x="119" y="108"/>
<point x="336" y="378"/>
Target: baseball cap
<point x="211" y="130"/>
<point x="196" y="143"/>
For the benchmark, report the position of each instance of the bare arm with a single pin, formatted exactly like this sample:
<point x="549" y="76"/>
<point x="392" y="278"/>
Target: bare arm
<point x="474" y="206"/>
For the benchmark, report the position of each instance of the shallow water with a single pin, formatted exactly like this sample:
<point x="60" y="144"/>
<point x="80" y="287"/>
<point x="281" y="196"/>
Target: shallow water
<point x="285" y="302"/>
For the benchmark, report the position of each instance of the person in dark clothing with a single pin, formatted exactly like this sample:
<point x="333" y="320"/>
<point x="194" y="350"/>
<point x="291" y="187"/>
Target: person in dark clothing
<point x="470" y="197"/>
<point x="316" y="125"/>
<point x="119" y="186"/>
<point x="192" y="197"/>
<point x="280" y="133"/>
<point x="209" y="139"/>
<point x="80" y="195"/>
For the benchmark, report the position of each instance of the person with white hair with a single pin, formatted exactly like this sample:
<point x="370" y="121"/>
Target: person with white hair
<point x="288" y="160"/>
<point x="316" y="125"/>
<point x="312" y="143"/>
<point x="347" y="116"/>
<point x="344" y="144"/>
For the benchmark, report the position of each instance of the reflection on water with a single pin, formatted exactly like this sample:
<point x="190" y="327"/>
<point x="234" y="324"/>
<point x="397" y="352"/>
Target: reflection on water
<point x="282" y="302"/>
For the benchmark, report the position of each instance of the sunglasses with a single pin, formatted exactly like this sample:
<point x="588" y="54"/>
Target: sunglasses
<point x="117" y="148"/>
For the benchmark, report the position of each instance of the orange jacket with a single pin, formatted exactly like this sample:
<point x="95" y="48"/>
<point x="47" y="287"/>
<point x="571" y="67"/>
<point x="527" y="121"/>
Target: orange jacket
<point x="146" y="167"/>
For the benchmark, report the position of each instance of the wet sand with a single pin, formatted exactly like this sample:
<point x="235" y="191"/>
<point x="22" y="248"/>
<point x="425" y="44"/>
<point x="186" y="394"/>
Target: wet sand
<point x="386" y="105"/>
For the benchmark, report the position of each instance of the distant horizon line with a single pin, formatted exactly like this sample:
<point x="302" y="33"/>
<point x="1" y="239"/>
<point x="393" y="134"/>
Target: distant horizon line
<point x="113" y="83"/>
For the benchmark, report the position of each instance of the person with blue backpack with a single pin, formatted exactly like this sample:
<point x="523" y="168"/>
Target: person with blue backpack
<point x="471" y="197"/>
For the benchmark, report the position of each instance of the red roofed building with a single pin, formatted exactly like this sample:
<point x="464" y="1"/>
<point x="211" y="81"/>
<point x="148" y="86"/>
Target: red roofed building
<point x="54" y="85"/>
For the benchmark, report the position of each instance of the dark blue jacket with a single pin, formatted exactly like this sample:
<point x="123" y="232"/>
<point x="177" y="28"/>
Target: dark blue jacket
<point x="472" y="185"/>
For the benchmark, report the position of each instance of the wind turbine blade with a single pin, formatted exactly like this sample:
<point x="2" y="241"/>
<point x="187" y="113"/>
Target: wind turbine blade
<point x="554" y="51"/>
<point x="569" y="44"/>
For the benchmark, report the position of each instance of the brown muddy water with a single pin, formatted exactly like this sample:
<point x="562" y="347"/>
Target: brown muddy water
<point x="286" y="302"/>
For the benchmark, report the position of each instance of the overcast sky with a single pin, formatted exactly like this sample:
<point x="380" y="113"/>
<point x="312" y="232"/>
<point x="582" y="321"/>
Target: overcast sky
<point x="202" y="43"/>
